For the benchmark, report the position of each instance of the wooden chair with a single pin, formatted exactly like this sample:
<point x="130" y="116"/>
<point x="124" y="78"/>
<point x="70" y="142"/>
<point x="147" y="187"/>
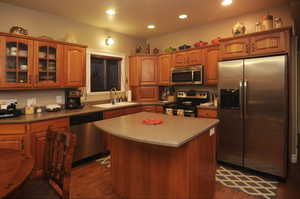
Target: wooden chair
<point x="57" y="168"/>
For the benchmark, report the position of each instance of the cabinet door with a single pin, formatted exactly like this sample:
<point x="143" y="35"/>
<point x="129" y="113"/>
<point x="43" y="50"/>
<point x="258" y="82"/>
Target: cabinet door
<point x="74" y="65"/>
<point x="16" y="62"/>
<point x="134" y="75"/>
<point x="180" y="59"/>
<point x="15" y="142"/>
<point x="269" y="43"/>
<point x="195" y="57"/>
<point x="147" y="93"/>
<point x="159" y="109"/>
<point x="235" y="48"/>
<point x="164" y="68"/>
<point x="47" y="64"/>
<point x="211" y="66"/>
<point x="148" y="70"/>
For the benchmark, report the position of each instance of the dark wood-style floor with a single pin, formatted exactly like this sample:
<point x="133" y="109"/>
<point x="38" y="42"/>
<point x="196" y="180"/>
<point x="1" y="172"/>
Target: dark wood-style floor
<point x="90" y="181"/>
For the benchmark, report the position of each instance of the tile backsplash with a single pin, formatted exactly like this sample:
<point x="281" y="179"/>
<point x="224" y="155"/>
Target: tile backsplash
<point x="42" y="97"/>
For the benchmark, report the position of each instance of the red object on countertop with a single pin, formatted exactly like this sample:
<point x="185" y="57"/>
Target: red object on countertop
<point x="153" y="121"/>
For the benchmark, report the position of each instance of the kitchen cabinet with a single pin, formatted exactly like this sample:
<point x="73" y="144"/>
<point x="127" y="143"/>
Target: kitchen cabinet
<point x="164" y="69"/>
<point x="207" y="113"/>
<point x="74" y="66"/>
<point x="143" y="70"/>
<point x="180" y="59"/>
<point x="16" y="142"/>
<point x="235" y="48"/>
<point x="29" y="63"/>
<point x="269" y="43"/>
<point x="256" y="44"/>
<point x="159" y="109"/>
<point x="189" y="57"/>
<point x="211" y="66"/>
<point x="150" y="108"/>
<point x="148" y="70"/>
<point x="38" y="132"/>
<point x="16" y="62"/>
<point x="48" y="65"/>
<point x="145" y="93"/>
<point x="195" y="57"/>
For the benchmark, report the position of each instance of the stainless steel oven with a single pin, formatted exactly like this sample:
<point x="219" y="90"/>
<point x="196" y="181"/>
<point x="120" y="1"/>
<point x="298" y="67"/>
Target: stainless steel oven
<point x="187" y="75"/>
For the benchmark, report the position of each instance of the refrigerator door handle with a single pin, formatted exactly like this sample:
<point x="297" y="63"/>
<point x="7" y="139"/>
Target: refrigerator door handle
<point x="245" y="97"/>
<point x="241" y="98"/>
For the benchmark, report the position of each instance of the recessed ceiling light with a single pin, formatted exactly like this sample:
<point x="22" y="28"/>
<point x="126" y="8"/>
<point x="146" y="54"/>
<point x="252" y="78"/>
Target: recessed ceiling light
<point x="183" y="16"/>
<point x="151" y="26"/>
<point x="226" y="2"/>
<point x="110" y="12"/>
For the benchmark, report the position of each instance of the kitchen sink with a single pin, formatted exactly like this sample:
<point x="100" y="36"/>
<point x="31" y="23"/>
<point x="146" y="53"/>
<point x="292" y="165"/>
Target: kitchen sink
<point x="110" y="105"/>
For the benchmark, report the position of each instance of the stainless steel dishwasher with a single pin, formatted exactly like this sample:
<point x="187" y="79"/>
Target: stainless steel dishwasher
<point x="90" y="142"/>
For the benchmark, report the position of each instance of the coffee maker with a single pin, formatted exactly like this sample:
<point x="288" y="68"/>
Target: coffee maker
<point x="8" y="108"/>
<point x="72" y="100"/>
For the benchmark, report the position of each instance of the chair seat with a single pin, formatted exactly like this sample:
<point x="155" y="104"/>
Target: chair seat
<point x="37" y="189"/>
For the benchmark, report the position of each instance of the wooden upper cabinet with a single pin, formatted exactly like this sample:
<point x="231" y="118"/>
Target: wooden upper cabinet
<point x="195" y="57"/>
<point x="134" y="79"/>
<point x="180" y="59"/>
<point x="48" y="64"/>
<point x="235" y="48"/>
<point x="211" y="67"/>
<point x="148" y="70"/>
<point x="16" y="62"/>
<point x="269" y="43"/>
<point x="164" y="69"/>
<point x="74" y="66"/>
<point x="256" y="44"/>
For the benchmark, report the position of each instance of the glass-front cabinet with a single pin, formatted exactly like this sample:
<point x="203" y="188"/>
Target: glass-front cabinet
<point x="47" y="64"/>
<point x="16" y="62"/>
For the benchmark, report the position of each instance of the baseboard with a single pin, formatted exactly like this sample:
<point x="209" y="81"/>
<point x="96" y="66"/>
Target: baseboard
<point x="294" y="158"/>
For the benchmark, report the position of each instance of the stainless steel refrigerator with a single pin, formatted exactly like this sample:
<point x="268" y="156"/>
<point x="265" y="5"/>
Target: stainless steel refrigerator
<point x="254" y="113"/>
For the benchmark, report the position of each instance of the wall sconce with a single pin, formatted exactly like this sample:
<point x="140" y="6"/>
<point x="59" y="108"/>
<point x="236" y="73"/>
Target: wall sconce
<point x="109" y="41"/>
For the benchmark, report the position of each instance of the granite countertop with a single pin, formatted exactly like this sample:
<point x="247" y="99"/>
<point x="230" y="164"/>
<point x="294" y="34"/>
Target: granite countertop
<point x="89" y="108"/>
<point x="173" y="132"/>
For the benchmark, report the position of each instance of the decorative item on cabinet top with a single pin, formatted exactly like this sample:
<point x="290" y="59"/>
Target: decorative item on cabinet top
<point x="18" y="30"/>
<point x="200" y="44"/>
<point x="238" y="29"/>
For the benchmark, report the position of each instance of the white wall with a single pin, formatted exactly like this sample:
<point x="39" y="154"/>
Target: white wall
<point x="38" y="24"/>
<point x="222" y="28"/>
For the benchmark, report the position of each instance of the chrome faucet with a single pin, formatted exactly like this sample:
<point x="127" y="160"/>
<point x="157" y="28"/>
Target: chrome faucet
<point x="113" y="94"/>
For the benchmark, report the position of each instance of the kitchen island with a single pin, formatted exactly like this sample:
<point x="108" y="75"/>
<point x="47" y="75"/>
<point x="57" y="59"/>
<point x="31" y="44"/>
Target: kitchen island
<point x="175" y="159"/>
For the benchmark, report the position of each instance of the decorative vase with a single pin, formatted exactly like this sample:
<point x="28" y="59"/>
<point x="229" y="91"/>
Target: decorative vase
<point x="238" y="29"/>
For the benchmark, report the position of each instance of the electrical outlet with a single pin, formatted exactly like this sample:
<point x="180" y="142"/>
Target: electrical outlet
<point x="59" y="99"/>
<point x="294" y="158"/>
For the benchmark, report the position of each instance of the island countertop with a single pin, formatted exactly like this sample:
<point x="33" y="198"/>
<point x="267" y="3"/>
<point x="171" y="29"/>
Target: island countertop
<point x="173" y="132"/>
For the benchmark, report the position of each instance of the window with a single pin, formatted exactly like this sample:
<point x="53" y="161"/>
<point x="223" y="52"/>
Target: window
<point x="105" y="73"/>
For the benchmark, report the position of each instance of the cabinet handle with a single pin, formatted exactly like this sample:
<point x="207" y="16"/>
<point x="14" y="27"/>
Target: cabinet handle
<point x="247" y="48"/>
<point x="253" y="47"/>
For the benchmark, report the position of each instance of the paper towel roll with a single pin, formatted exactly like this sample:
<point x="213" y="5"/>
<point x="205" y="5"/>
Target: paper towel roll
<point x="129" y="96"/>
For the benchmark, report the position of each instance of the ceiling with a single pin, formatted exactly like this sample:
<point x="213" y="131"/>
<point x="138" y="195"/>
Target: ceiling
<point x="133" y="16"/>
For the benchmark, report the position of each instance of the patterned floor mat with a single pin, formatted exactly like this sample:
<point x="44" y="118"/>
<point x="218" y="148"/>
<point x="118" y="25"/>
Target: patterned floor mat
<point x="250" y="184"/>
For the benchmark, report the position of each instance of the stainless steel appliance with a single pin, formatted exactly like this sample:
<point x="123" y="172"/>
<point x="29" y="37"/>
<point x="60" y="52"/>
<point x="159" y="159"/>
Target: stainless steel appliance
<point x="90" y="142"/>
<point x="8" y="108"/>
<point x="186" y="103"/>
<point x="253" y="113"/>
<point x="187" y="75"/>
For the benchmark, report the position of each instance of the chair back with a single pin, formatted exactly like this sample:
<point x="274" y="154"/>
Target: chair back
<point x="58" y="160"/>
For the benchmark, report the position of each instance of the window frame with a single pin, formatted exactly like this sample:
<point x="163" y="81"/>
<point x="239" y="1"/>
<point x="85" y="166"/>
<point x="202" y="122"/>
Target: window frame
<point x="91" y="52"/>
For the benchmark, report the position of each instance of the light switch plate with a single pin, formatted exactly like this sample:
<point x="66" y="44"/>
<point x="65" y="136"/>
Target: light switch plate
<point x="59" y="99"/>
<point x="211" y="131"/>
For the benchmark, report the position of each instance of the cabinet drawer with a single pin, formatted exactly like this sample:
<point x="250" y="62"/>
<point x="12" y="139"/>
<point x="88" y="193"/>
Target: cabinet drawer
<point x="112" y="114"/>
<point x="207" y="113"/>
<point x="149" y="108"/>
<point x="15" y="142"/>
<point x="44" y="125"/>
<point x="132" y="110"/>
<point x="10" y="129"/>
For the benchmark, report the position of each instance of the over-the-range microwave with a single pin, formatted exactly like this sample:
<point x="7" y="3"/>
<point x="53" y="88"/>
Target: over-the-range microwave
<point x="187" y="75"/>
